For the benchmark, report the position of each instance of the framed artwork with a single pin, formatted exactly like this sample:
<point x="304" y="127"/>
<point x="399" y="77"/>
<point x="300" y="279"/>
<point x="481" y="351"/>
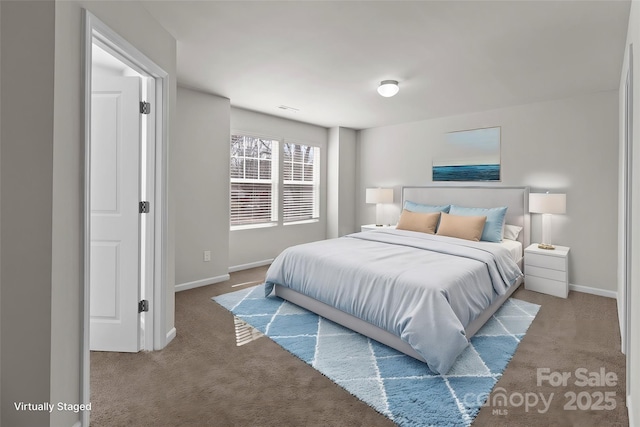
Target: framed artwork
<point x="468" y="155"/>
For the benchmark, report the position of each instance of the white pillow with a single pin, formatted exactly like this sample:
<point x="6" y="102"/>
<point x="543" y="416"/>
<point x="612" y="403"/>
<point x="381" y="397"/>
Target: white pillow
<point x="511" y="232"/>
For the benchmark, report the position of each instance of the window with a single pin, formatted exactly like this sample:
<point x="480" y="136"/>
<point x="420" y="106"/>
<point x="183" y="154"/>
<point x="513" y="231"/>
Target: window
<point x="300" y="179"/>
<point x="253" y="180"/>
<point x="256" y="182"/>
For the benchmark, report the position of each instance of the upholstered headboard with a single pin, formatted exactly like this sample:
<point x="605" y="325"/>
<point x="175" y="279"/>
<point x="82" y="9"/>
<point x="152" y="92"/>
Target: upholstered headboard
<point x="516" y="199"/>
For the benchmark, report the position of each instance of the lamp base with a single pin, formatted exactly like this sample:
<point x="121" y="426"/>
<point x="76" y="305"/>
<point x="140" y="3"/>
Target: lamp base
<point x="546" y="246"/>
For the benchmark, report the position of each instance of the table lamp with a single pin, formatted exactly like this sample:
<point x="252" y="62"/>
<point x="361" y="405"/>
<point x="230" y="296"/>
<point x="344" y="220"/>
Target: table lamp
<point x="547" y="204"/>
<point x="379" y="196"/>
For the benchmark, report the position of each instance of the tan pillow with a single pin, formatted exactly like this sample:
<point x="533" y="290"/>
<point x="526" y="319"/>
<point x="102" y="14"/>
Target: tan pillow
<point x="462" y="227"/>
<point x="416" y="221"/>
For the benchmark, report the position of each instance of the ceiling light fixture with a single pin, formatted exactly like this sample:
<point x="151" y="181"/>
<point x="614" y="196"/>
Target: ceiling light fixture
<point x="388" y="88"/>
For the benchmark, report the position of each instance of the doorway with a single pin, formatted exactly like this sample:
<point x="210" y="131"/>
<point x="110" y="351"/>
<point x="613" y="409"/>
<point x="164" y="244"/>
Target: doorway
<point x="125" y="221"/>
<point x="119" y="150"/>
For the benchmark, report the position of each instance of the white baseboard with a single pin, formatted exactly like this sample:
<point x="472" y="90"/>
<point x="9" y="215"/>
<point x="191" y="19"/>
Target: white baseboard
<point x="77" y="424"/>
<point x="170" y="336"/>
<point x="203" y="282"/>
<point x="250" y="265"/>
<point x="630" y="412"/>
<point x="593" y="291"/>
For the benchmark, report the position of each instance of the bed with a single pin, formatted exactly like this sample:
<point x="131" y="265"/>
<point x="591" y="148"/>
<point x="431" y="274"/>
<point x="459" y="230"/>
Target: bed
<point x="424" y="295"/>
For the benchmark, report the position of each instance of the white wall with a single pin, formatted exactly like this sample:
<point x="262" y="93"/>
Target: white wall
<point x="261" y="244"/>
<point x="341" y="182"/>
<point x="42" y="195"/>
<point x="569" y="146"/>
<point x="27" y="171"/>
<point x="201" y="178"/>
<point x="633" y="356"/>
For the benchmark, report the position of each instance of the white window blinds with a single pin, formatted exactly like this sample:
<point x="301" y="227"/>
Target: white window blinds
<point x="300" y="182"/>
<point x="258" y="187"/>
<point x="253" y="175"/>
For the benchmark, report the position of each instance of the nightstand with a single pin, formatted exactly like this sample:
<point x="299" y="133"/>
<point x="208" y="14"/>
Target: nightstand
<point x="370" y="227"/>
<point x="547" y="271"/>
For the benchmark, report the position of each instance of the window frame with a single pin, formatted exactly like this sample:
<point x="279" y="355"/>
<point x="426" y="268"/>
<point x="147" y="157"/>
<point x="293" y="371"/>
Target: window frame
<point x="273" y="181"/>
<point x="278" y="182"/>
<point x="314" y="183"/>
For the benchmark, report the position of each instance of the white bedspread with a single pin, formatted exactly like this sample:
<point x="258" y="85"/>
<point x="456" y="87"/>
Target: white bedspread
<point x="423" y="288"/>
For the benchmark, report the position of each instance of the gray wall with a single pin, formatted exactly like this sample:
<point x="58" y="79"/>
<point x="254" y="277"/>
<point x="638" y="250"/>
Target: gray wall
<point x="258" y="245"/>
<point x="633" y="362"/>
<point x="341" y="182"/>
<point x="201" y="178"/>
<point x="0" y="216"/>
<point x="202" y="188"/>
<point x="42" y="195"/>
<point x="131" y="21"/>
<point x="26" y="228"/>
<point x="569" y="146"/>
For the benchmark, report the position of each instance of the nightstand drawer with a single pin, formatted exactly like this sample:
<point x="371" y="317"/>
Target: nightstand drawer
<point x="545" y="273"/>
<point x="546" y="286"/>
<point x="544" y="261"/>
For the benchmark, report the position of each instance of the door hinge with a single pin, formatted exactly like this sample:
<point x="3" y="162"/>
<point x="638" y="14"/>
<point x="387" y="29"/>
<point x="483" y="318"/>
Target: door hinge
<point x="145" y="107"/>
<point x="145" y="207"/>
<point x="143" y="306"/>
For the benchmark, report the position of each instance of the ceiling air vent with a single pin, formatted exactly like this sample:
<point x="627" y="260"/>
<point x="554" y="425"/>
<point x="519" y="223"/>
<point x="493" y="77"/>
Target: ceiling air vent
<point x="286" y="108"/>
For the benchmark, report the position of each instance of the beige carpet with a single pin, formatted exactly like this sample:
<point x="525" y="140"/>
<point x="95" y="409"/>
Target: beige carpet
<point x="203" y="379"/>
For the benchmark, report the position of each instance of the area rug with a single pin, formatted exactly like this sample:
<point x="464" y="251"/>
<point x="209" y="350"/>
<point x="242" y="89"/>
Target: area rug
<point x="396" y="385"/>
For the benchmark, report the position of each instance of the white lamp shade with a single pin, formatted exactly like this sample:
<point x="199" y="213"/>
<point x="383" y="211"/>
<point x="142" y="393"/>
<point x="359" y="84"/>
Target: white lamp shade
<point x="379" y="195"/>
<point x="547" y="203"/>
<point x="388" y="88"/>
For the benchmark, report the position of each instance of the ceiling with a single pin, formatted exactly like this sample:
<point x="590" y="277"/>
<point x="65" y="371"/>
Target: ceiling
<point x="326" y="58"/>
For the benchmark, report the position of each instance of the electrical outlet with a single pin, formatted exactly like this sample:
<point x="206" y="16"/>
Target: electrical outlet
<point x="206" y="256"/>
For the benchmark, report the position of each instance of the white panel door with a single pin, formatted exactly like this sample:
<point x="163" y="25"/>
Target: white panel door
<point x="115" y="229"/>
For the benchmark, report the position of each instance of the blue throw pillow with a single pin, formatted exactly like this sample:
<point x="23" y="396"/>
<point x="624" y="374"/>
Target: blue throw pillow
<point x="417" y="207"/>
<point x="493" y="228"/>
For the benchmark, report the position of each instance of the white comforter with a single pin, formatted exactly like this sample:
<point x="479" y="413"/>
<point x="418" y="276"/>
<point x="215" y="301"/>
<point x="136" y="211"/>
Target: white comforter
<point x="423" y="288"/>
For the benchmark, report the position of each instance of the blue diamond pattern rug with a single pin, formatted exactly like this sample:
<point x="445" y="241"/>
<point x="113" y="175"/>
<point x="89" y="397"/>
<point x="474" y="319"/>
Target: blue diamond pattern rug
<point x="396" y="385"/>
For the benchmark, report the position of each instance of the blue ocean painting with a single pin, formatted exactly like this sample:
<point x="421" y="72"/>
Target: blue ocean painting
<point x="467" y="173"/>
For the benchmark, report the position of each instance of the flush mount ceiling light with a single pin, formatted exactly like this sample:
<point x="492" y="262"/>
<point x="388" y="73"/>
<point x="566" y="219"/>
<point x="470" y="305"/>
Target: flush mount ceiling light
<point x="388" y="88"/>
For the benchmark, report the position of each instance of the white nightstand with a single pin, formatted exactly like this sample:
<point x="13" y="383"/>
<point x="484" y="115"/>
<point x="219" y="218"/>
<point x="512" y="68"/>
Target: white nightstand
<point x="547" y="271"/>
<point x="369" y="227"/>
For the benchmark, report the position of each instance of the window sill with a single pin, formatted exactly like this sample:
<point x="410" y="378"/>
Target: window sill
<point x="252" y="226"/>
<point x="271" y="224"/>
<point x="306" y="221"/>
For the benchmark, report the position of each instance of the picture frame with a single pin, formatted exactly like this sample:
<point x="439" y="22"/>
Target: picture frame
<point x="468" y="155"/>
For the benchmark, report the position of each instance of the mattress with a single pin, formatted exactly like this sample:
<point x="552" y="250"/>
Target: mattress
<point x="401" y="281"/>
<point x="514" y="247"/>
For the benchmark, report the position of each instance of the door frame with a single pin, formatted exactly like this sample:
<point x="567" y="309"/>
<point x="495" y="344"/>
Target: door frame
<point x="627" y="170"/>
<point x="157" y="224"/>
